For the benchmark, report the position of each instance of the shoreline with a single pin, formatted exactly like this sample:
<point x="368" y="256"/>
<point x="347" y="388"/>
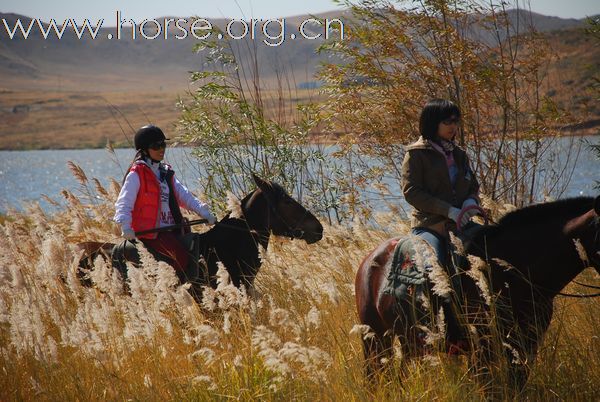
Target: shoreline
<point x="329" y="139"/>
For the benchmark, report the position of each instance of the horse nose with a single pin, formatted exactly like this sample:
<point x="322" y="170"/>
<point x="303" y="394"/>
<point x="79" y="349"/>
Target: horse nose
<point x="314" y="235"/>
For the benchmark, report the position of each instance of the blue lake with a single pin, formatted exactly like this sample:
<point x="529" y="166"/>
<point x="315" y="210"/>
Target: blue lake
<point x="26" y="175"/>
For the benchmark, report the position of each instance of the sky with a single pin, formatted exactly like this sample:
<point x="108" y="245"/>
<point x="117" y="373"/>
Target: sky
<point x="142" y="9"/>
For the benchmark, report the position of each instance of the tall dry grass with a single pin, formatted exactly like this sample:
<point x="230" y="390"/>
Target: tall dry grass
<point x="293" y="340"/>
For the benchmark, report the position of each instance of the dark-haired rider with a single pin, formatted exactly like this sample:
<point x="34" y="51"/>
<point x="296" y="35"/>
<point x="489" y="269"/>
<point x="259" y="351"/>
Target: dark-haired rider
<point x="437" y="179"/>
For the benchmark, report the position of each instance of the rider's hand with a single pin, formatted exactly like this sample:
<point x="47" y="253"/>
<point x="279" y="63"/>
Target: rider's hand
<point x="210" y="218"/>
<point x="128" y="234"/>
<point x="467" y="212"/>
<point x="467" y="215"/>
<point x="453" y="214"/>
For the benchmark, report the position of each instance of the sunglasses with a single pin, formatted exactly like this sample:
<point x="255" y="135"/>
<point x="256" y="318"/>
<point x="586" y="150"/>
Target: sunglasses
<point x="451" y="120"/>
<point x="158" y="145"/>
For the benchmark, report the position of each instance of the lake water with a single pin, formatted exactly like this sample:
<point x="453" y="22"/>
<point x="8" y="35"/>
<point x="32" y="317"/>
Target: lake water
<point x="26" y="175"/>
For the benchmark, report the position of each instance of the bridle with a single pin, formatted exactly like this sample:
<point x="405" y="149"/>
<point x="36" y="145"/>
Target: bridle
<point x="291" y="231"/>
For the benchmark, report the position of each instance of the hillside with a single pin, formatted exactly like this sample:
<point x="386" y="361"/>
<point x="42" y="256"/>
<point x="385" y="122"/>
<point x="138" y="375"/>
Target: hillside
<point x="115" y="64"/>
<point x="80" y="92"/>
<point x="104" y="64"/>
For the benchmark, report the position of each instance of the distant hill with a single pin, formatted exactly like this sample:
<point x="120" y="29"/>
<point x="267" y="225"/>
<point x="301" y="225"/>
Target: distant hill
<point x="104" y="64"/>
<point x="71" y="63"/>
<point x="543" y="23"/>
<point x="73" y="93"/>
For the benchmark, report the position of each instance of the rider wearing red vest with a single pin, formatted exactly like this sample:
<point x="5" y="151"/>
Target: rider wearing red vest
<point x="150" y="198"/>
<point x="147" y="204"/>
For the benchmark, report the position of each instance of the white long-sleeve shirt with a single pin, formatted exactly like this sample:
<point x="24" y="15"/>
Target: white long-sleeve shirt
<point x="128" y="195"/>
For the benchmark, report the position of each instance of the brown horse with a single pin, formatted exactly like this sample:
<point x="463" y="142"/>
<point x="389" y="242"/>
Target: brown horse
<point x="234" y="241"/>
<point x="531" y="257"/>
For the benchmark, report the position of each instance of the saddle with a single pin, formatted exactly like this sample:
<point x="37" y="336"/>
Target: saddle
<point x="196" y="271"/>
<point x="405" y="278"/>
<point x="408" y="283"/>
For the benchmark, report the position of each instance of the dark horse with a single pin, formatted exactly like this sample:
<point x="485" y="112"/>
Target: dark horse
<point x="234" y="241"/>
<point x="537" y="242"/>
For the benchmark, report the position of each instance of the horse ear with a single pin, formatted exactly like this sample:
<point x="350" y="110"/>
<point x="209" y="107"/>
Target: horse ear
<point x="265" y="186"/>
<point x="597" y="205"/>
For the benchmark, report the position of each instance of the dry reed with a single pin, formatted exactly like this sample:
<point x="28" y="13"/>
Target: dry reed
<point x="294" y="339"/>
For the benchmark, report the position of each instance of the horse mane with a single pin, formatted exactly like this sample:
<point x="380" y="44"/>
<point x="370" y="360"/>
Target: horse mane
<point x="566" y="208"/>
<point x="244" y="200"/>
<point x="277" y="189"/>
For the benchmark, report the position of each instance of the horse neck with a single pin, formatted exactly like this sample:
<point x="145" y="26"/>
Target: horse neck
<point x="257" y="215"/>
<point x="559" y="263"/>
<point x="575" y="228"/>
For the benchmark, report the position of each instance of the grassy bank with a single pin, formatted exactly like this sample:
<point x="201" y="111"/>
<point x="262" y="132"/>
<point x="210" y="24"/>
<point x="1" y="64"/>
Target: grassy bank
<point x="82" y="120"/>
<point x="77" y="120"/>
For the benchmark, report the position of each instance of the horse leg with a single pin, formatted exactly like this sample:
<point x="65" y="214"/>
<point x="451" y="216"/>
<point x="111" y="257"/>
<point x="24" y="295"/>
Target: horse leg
<point x="488" y="356"/>
<point x="378" y="345"/>
<point x="518" y="355"/>
<point x="518" y="375"/>
<point x="377" y="349"/>
<point x="518" y="372"/>
<point x="482" y="340"/>
<point x="481" y="361"/>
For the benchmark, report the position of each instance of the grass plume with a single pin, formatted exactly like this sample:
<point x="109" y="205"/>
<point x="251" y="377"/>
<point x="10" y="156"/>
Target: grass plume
<point x="296" y="339"/>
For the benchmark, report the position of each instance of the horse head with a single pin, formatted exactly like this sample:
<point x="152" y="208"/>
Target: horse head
<point x="283" y="216"/>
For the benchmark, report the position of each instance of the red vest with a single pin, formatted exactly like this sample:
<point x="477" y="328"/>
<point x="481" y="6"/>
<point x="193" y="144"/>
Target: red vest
<point x="146" y="210"/>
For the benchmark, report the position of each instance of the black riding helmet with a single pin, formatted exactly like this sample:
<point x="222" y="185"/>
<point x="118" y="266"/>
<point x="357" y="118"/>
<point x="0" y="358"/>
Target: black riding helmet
<point x="148" y="135"/>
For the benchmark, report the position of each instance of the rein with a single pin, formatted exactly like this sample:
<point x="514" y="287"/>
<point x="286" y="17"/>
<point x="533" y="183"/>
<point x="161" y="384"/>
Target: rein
<point x="171" y="227"/>
<point x="587" y="296"/>
<point x="190" y="223"/>
<point x="585" y="285"/>
<point x="480" y="211"/>
<point x="579" y="296"/>
<point x="538" y="287"/>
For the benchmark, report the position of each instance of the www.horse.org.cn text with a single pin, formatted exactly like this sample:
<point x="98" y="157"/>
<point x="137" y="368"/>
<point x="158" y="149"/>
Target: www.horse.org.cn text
<point x="271" y="32"/>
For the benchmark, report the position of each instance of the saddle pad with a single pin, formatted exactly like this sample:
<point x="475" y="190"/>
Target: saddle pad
<point x="404" y="276"/>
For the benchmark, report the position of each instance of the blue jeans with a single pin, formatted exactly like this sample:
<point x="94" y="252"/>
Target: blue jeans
<point x="437" y="242"/>
<point x="440" y="245"/>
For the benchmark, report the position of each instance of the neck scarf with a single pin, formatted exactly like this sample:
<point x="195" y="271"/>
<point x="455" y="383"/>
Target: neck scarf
<point x="157" y="167"/>
<point x="447" y="146"/>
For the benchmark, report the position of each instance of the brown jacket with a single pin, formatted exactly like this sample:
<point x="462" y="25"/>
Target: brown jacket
<point x="426" y="184"/>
